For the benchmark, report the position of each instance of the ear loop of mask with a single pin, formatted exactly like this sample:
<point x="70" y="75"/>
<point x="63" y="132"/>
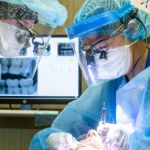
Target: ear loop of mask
<point x="146" y="43"/>
<point x="132" y="16"/>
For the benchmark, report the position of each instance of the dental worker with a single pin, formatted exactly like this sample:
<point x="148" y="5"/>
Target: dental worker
<point x="114" y="58"/>
<point x="18" y="19"/>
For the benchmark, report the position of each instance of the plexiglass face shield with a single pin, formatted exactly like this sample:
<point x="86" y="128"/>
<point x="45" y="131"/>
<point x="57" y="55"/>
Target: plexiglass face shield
<point x="104" y="56"/>
<point x="23" y="42"/>
<point x="105" y="51"/>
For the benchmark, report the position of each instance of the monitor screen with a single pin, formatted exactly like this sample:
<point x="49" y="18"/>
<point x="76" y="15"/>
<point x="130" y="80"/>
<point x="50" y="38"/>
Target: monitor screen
<point x="57" y="77"/>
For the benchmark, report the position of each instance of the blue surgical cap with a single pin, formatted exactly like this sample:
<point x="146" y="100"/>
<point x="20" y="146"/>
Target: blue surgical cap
<point x="94" y="7"/>
<point x="50" y="12"/>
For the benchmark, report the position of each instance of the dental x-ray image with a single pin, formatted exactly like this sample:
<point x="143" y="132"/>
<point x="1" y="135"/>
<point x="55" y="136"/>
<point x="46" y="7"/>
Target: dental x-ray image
<point x="14" y="78"/>
<point x="41" y="50"/>
<point x="65" y="49"/>
<point x="42" y="79"/>
<point x="18" y="66"/>
<point x="41" y="47"/>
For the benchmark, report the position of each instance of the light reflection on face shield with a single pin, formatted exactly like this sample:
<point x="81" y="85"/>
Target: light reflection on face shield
<point x="14" y="41"/>
<point x="10" y="37"/>
<point x="17" y="34"/>
<point x="97" y="49"/>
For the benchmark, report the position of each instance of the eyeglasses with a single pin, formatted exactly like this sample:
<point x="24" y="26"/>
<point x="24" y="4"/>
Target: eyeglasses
<point x="104" y="42"/>
<point x="23" y="27"/>
<point x="31" y="32"/>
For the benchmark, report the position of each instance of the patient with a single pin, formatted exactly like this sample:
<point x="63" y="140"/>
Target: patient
<point x="107" y="137"/>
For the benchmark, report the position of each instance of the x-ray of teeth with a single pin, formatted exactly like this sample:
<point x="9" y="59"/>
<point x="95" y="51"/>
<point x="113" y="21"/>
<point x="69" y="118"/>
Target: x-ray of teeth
<point x="5" y="64"/>
<point x="18" y="66"/>
<point x="24" y="86"/>
<point x="27" y="86"/>
<point x="65" y="49"/>
<point x="15" y="76"/>
<point x="2" y="86"/>
<point x="27" y="67"/>
<point x="12" y="86"/>
<point x="32" y="89"/>
<point x="12" y="83"/>
<point x="26" y="82"/>
<point x="2" y="83"/>
<point x="14" y="90"/>
<point x="15" y="66"/>
<point x="28" y="90"/>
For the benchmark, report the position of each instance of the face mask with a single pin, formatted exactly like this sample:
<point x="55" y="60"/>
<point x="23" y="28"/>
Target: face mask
<point x="11" y="40"/>
<point x="118" y="63"/>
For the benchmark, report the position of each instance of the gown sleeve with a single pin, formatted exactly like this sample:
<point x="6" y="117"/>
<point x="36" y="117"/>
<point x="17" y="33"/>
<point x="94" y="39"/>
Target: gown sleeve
<point x="85" y="113"/>
<point x="134" y="99"/>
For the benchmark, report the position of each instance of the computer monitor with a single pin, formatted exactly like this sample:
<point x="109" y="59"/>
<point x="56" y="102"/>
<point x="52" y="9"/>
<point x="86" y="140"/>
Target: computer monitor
<point x="57" y="79"/>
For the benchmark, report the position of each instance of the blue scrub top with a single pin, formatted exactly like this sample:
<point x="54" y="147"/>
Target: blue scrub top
<point x="85" y="113"/>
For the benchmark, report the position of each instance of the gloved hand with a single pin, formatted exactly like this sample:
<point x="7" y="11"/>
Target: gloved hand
<point x="61" y="141"/>
<point x="114" y="136"/>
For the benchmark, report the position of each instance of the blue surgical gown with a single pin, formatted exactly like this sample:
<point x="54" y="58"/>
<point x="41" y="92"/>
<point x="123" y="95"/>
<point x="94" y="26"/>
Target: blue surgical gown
<point x="79" y="116"/>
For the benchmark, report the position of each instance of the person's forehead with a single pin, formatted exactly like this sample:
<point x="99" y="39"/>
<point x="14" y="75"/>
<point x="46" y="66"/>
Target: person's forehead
<point x="92" y="38"/>
<point x="89" y="40"/>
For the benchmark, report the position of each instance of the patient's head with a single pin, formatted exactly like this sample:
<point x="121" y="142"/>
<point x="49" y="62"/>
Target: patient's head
<point x="92" y="141"/>
<point x="108" y="137"/>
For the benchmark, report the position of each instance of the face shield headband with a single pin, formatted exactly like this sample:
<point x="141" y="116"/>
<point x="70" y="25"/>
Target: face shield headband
<point x="83" y="28"/>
